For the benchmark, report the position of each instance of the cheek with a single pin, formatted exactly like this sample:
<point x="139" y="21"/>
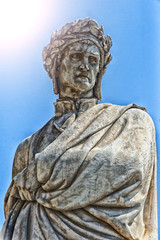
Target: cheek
<point x="66" y="72"/>
<point x="69" y="67"/>
<point x="63" y="68"/>
<point x="95" y="71"/>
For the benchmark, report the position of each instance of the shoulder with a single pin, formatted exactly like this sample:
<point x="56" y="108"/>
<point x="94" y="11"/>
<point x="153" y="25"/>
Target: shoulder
<point x="139" y="115"/>
<point x="21" y="156"/>
<point x="134" y="115"/>
<point x="139" y="121"/>
<point x="30" y="145"/>
<point x="132" y="111"/>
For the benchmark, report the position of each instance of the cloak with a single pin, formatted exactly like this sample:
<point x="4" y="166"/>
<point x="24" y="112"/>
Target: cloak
<point x="91" y="177"/>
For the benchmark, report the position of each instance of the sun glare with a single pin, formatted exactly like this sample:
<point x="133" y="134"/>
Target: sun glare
<point x="19" y="19"/>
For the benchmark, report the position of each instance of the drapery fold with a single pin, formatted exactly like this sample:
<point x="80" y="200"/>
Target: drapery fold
<point x="94" y="181"/>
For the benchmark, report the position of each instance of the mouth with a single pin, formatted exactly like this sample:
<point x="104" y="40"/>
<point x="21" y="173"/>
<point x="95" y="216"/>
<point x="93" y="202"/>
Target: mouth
<point x="83" y="77"/>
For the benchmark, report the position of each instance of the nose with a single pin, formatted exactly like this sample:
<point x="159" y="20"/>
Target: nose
<point x="84" y="66"/>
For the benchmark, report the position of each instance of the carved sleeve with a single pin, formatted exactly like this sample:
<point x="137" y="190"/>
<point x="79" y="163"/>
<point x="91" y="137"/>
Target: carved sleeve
<point x="21" y="157"/>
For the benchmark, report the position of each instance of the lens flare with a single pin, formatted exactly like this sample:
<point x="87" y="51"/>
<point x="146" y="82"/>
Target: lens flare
<point x="19" y="19"/>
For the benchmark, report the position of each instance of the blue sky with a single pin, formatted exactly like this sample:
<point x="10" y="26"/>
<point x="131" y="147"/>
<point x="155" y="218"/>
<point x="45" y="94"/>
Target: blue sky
<point x="26" y="96"/>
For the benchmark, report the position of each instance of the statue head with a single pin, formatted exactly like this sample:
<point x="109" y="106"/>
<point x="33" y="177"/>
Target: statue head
<point x="81" y="39"/>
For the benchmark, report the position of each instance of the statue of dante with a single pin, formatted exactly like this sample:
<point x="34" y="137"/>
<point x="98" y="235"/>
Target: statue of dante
<point x="90" y="172"/>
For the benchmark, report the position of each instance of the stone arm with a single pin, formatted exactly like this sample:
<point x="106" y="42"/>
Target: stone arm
<point x="20" y="162"/>
<point x="21" y="157"/>
<point x="24" y="160"/>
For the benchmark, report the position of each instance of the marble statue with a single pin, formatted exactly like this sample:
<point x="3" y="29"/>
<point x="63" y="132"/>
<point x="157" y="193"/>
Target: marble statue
<point x="90" y="172"/>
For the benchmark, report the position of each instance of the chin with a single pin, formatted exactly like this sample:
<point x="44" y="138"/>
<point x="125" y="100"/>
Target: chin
<point x="84" y="87"/>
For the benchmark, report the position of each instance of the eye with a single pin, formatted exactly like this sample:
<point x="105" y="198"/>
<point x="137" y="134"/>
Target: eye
<point x="76" y="56"/>
<point x="93" y="60"/>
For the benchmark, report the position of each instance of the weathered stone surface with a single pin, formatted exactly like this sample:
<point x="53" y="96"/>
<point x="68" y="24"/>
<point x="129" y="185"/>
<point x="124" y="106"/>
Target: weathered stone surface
<point x="90" y="172"/>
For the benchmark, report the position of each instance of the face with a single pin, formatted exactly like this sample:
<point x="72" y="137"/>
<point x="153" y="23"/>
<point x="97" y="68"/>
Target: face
<point x="78" y="70"/>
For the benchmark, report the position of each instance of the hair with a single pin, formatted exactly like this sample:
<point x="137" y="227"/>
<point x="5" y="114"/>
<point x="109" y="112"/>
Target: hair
<point x="82" y="30"/>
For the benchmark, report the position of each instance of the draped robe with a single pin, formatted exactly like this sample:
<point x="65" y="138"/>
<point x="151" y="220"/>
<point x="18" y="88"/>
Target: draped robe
<point x="87" y="177"/>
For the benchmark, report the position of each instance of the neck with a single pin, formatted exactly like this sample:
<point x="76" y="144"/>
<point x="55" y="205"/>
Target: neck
<point x="68" y="94"/>
<point x="69" y="105"/>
